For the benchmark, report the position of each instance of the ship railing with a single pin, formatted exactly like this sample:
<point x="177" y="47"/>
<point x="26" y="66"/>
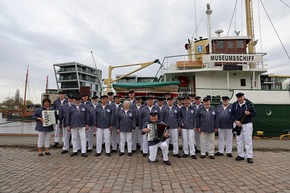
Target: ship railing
<point x="182" y="62"/>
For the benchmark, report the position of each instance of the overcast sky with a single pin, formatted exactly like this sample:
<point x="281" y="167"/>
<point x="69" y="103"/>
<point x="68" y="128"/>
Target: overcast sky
<point x="41" y="33"/>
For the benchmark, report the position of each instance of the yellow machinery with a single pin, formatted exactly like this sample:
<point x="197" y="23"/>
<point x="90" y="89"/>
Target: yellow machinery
<point x="108" y="82"/>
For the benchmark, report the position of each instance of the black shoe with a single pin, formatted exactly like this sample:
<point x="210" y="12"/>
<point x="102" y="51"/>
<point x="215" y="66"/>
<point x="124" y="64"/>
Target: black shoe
<point x="218" y="154"/>
<point x="129" y="154"/>
<point x="108" y="154"/>
<point x="47" y="153"/>
<point x="74" y="154"/>
<point x="113" y="151"/>
<point x="202" y="156"/>
<point x="229" y="155"/>
<point x="145" y="154"/>
<point x="89" y="150"/>
<point x="197" y="151"/>
<point x="193" y="157"/>
<point x="84" y="155"/>
<point x="64" y="152"/>
<point x="55" y="144"/>
<point x="185" y="155"/>
<point x="238" y="158"/>
<point x="133" y="151"/>
<point x="97" y="154"/>
<point x="176" y="155"/>
<point x="206" y="153"/>
<point x="121" y="154"/>
<point x="79" y="151"/>
<point x="149" y="161"/>
<point x="250" y="160"/>
<point x="211" y="157"/>
<point x="41" y="154"/>
<point x="167" y="162"/>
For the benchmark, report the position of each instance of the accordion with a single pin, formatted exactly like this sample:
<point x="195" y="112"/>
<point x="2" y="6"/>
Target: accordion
<point x="49" y="117"/>
<point x="156" y="131"/>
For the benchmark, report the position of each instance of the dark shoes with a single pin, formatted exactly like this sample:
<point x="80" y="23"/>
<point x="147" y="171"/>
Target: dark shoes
<point x="176" y="155"/>
<point x="197" y="151"/>
<point x="211" y="157"/>
<point x="184" y="155"/>
<point x="145" y="154"/>
<point x="47" y="153"/>
<point x="84" y="155"/>
<point x="89" y="150"/>
<point x="41" y="154"/>
<point x="202" y="156"/>
<point x="97" y="154"/>
<point x="129" y="154"/>
<point x="74" y="154"/>
<point x="108" y="154"/>
<point x="155" y="161"/>
<point x="229" y="155"/>
<point x="167" y="162"/>
<point x="64" y="152"/>
<point x="113" y="151"/>
<point x="250" y="160"/>
<point x="218" y="154"/>
<point x="55" y="144"/>
<point x="121" y="154"/>
<point x="193" y="157"/>
<point x="238" y="158"/>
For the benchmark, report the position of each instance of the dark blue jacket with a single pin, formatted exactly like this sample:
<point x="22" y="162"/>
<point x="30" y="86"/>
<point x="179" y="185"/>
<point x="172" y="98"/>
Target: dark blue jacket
<point x="57" y="104"/>
<point x="171" y="117"/>
<point x="207" y="121"/>
<point x="151" y="143"/>
<point x="145" y="114"/>
<point x="92" y="114"/>
<point x="116" y="110"/>
<point x="39" y="126"/>
<point x="104" y="116"/>
<point x="63" y="113"/>
<point x="126" y="121"/>
<point x="188" y="117"/>
<point x="137" y="114"/>
<point x="224" y="115"/>
<point x="237" y="112"/>
<point x="78" y="117"/>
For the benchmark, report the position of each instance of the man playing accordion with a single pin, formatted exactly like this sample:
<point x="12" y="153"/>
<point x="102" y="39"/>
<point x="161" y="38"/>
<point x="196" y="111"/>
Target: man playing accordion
<point x="158" y="141"/>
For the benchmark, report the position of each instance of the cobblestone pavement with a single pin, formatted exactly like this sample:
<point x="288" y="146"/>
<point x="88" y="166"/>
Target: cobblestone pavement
<point x="22" y="170"/>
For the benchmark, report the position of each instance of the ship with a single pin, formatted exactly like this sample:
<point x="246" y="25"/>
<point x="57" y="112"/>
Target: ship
<point x="219" y="66"/>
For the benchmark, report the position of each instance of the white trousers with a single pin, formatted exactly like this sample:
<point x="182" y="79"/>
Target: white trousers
<point x="225" y="135"/>
<point x="137" y="137"/>
<point x="188" y="141"/>
<point x="43" y="139"/>
<point x="115" y="138"/>
<point x="174" y="139"/>
<point x="145" y="144"/>
<point x="56" y="133"/>
<point x="154" y="148"/>
<point x="90" y="137"/>
<point x="207" y="138"/>
<point x="103" y="133"/>
<point x="126" y="137"/>
<point x="244" y="141"/>
<point x="65" y="139"/>
<point x="81" y="131"/>
<point x="197" y="139"/>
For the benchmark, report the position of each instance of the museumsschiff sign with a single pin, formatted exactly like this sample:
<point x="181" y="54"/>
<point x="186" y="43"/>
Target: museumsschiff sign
<point x="242" y="58"/>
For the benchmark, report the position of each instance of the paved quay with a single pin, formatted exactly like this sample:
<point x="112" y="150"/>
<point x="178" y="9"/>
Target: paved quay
<point x="22" y="170"/>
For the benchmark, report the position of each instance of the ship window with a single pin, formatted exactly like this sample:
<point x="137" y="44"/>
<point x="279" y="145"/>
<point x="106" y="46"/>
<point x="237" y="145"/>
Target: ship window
<point x="220" y="45"/>
<point x="230" y="45"/>
<point x="240" y="44"/>
<point x="243" y="82"/>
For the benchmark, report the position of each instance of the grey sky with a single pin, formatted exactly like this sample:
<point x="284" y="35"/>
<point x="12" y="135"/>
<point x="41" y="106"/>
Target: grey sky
<point x="42" y="33"/>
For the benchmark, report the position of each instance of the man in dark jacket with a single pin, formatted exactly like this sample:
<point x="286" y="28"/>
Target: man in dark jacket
<point x="137" y="137"/>
<point x="244" y="108"/>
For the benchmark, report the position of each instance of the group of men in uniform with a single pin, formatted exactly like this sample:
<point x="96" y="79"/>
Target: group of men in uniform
<point x="117" y="123"/>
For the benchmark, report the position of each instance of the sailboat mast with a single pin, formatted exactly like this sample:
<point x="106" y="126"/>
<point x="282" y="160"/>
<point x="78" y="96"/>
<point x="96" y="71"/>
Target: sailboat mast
<point x="25" y="89"/>
<point x="250" y="28"/>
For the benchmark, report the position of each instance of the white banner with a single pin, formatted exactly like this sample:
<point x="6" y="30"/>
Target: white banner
<point x="241" y="58"/>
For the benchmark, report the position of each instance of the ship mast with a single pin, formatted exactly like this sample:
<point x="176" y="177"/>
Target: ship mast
<point x="25" y="89"/>
<point x="250" y="28"/>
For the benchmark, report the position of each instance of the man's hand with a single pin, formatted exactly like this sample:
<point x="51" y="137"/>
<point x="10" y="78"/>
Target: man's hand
<point x="198" y="129"/>
<point x="118" y="131"/>
<point x="179" y="129"/>
<point x="166" y="134"/>
<point x="215" y="130"/>
<point x="111" y="128"/>
<point x="68" y="128"/>
<point x="247" y="112"/>
<point x="238" y="123"/>
<point x="87" y="127"/>
<point x="146" y="130"/>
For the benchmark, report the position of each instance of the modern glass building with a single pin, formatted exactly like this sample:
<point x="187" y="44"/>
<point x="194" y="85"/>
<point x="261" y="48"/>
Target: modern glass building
<point x="73" y="77"/>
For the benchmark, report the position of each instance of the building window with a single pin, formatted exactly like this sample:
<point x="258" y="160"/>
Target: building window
<point x="240" y="44"/>
<point x="243" y="82"/>
<point x="230" y="44"/>
<point x="220" y="45"/>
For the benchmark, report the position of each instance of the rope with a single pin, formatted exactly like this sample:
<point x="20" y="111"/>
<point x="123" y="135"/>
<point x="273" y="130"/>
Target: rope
<point x="234" y="11"/>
